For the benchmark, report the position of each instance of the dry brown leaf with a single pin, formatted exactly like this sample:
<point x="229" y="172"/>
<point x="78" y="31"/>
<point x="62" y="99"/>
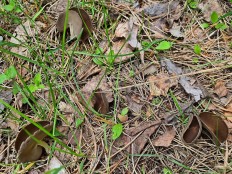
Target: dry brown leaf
<point x="165" y="139"/>
<point x="160" y="84"/>
<point x="228" y="112"/>
<point x="66" y="108"/>
<point x="124" y="48"/>
<point x="220" y="89"/>
<point x="103" y="86"/>
<point x="208" y="7"/>
<point x="54" y="163"/>
<point x="6" y="96"/>
<point x="134" y="104"/>
<point x="129" y="30"/>
<point x="22" y="32"/>
<point x="59" y="6"/>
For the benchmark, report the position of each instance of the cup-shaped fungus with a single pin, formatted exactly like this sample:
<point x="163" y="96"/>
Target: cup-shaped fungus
<point x="77" y="19"/>
<point x="29" y="142"/>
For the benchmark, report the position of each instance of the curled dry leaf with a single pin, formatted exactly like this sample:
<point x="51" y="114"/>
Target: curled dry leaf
<point x="129" y="30"/>
<point x="77" y="19"/>
<point x="160" y="84"/>
<point x="165" y="139"/>
<point x="100" y="102"/>
<point x="220" y="89"/>
<point x="192" y="130"/>
<point x="29" y="140"/>
<point x="215" y="125"/>
<point x="185" y="82"/>
<point x="123" y="118"/>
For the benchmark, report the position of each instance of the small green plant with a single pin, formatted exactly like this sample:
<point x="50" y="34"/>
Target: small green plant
<point x="195" y="60"/>
<point x="124" y="111"/>
<point x="193" y="4"/>
<point x="204" y="25"/>
<point x="167" y="171"/>
<point x="214" y="17"/>
<point x="117" y="131"/>
<point x="33" y="87"/>
<point x="164" y="45"/>
<point x="9" y="74"/>
<point x="156" y="101"/>
<point x="221" y="26"/>
<point x="109" y="60"/>
<point x="197" y="49"/>
<point x="12" y="6"/>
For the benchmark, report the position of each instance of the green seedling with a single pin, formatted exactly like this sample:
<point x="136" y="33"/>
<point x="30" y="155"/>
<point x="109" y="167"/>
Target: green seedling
<point x="117" y="131"/>
<point x="9" y="74"/>
<point x="214" y="17"/>
<point x="197" y="49"/>
<point x="124" y="111"/>
<point x="164" y="45"/>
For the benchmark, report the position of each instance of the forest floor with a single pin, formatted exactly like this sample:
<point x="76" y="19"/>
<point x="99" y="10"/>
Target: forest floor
<point x="128" y="87"/>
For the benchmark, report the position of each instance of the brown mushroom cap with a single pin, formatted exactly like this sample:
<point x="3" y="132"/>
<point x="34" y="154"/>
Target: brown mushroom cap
<point x="78" y="19"/>
<point x="215" y="125"/>
<point x="26" y="143"/>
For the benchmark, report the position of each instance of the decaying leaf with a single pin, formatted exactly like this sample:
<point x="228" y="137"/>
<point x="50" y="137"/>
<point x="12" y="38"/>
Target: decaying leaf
<point x="22" y="32"/>
<point x="134" y="104"/>
<point x="77" y="19"/>
<point x="184" y="81"/>
<point x="159" y="8"/>
<point x="5" y="96"/>
<point x="122" y="49"/>
<point x="29" y="142"/>
<point x="66" y="108"/>
<point x="228" y="112"/>
<point x="208" y="7"/>
<point x="55" y="165"/>
<point x="165" y="139"/>
<point x="59" y="6"/>
<point x="220" y="89"/>
<point x="160" y="84"/>
<point x="129" y="30"/>
<point x="103" y="86"/>
<point x="175" y="31"/>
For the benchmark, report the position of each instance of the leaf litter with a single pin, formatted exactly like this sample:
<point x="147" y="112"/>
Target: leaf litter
<point x="161" y="20"/>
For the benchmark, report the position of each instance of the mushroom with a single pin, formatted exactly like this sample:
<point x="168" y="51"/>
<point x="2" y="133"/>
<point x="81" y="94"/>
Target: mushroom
<point x="192" y="130"/>
<point x="77" y="19"/>
<point x="215" y="125"/>
<point x="29" y="142"/>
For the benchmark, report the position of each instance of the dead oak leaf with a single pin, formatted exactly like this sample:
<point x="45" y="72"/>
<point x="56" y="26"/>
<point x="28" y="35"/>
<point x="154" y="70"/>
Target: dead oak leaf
<point x="220" y="89"/>
<point x="160" y="84"/>
<point x="165" y="139"/>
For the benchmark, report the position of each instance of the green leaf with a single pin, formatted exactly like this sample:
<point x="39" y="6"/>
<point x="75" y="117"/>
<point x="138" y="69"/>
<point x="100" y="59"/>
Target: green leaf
<point x="197" y="49"/>
<point x="3" y="78"/>
<point x="195" y="60"/>
<point x="9" y="7"/>
<point x="15" y="89"/>
<point x="221" y="26"/>
<point x="98" y="61"/>
<point x="111" y="57"/>
<point x="79" y="122"/>
<point x="32" y="88"/>
<point x="11" y="72"/>
<point x="41" y="86"/>
<point x="193" y="4"/>
<point x="124" y="111"/>
<point x="98" y="51"/>
<point x="167" y="171"/>
<point x="164" y="45"/>
<point x="37" y="79"/>
<point x="117" y="131"/>
<point x="204" y="25"/>
<point x="214" y="17"/>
